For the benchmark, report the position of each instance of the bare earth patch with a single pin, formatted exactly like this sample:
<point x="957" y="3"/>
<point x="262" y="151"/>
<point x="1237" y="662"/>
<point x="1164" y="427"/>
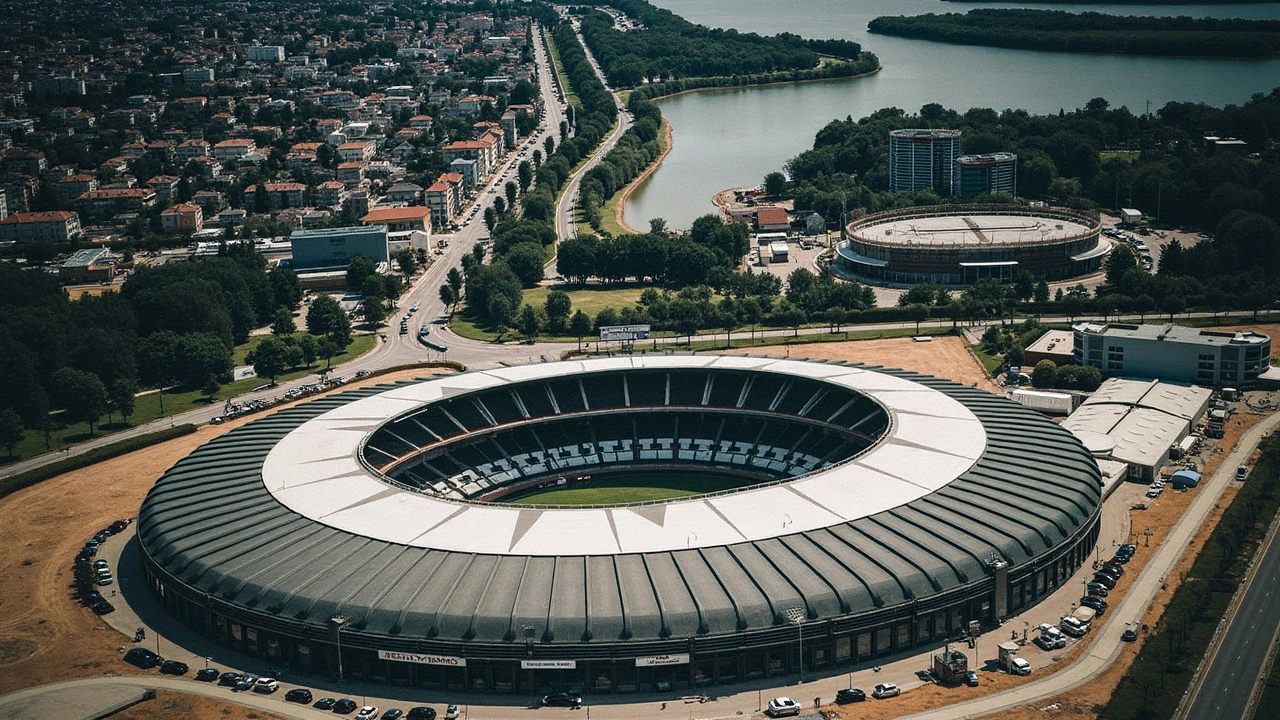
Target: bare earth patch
<point x="170" y="704"/>
<point x="945" y="356"/>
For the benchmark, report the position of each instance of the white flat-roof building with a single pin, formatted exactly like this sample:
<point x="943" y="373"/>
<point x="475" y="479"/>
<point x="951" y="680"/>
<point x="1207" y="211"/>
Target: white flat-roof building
<point x="1173" y="352"/>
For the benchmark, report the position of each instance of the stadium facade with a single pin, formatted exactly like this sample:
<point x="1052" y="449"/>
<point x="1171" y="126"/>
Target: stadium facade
<point x="886" y="511"/>
<point x="962" y="244"/>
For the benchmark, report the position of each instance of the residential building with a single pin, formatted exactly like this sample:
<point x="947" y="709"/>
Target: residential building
<point x="404" y="192"/>
<point x="772" y="219"/>
<point x="350" y="173"/>
<point x="989" y="173"/>
<point x="330" y="193"/>
<point x="1173" y="352"/>
<point x="266" y="53"/>
<point x="53" y="226"/>
<point x="234" y="149"/>
<point x="279" y="195"/>
<point x="73" y="186"/>
<point x="444" y="197"/>
<point x="191" y="149"/>
<point x="183" y="217"/>
<point x="197" y="76"/>
<point x="922" y="159"/>
<point x="468" y="170"/>
<point x="360" y="151"/>
<point x="508" y="125"/>
<point x="400" y="219"/>
<point x="112" y="201"/>
<point x="333" y="248"/>
<point x="165" y="186"/>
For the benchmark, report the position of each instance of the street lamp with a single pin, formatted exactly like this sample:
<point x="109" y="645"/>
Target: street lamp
<point x="336" y="623"/>
<point x="796" y="615"/>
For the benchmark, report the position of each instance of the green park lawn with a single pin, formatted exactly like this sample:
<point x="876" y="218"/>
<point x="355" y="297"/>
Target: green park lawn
<point x="591" y="299"/>
<point x="630" y="488"/>
<point x="147" y="405"/>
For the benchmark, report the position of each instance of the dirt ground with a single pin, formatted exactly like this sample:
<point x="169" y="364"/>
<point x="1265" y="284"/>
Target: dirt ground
<point x="176" y="705"/>
<point x="45" y="633"/>
<point x="945" y="357"/>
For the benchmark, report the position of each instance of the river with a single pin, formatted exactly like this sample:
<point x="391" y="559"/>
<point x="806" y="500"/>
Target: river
<point x="733" y="137"/>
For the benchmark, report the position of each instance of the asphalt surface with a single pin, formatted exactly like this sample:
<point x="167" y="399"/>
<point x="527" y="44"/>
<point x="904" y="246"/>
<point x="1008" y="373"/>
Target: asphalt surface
<point x="1226" y="689"/>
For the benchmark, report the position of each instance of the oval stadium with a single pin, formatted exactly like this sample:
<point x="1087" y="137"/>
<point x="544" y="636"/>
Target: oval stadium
<point x="859" y="513"/>
<point x="959" y="245"/>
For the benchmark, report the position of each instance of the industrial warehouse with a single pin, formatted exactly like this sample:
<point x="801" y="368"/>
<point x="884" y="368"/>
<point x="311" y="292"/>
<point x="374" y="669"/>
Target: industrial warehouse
<point x="962" y="244"/>
<point x="877" y="511"/>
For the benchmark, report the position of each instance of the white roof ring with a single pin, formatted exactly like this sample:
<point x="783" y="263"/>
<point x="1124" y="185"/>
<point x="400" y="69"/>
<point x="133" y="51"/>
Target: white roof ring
<point x="316" y="472"/>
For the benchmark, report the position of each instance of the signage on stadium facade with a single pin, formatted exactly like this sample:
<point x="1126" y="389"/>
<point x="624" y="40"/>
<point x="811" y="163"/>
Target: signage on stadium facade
<point x="611" y="333"/>
<point x="655" y="660"/>
<point x="548" y="664"/>
<point x="422" y="659"/>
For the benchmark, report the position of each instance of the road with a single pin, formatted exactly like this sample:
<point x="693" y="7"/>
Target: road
<point x="565" y="226"/>
<point x="1225" y="688"/>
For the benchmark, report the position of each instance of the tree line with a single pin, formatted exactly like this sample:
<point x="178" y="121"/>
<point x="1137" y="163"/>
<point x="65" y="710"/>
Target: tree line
<point x="1059" y="31"/>
<point x="673" y="259"/>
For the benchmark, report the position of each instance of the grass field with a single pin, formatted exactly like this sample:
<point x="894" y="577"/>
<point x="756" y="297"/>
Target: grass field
<point x="630" y="488"/>
<point x="569" y="95"/>
<point x="147" y="406"/>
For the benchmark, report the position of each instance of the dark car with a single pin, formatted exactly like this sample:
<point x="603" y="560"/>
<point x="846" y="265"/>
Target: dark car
<point x="850" y="695"/>
<point x="1096" y="603"/>
<point x="1110" y="571"/>
<point x="298" y="695"/>
<point x="174" y="667"/>
<point x="1120" y="559"/>
<point x="102" y="607"/>
<point x="229" y="679"/>
<point x="421" y="713"/>
<point x="143" y="658"/>
<point x="117" y="526"/>
<point x="392" y="714"/>
<point x="971" y="679"/>
<point x="1097" y="589"/>
<point x="325" y="704"/>
<point x="345" y="706"/>
<point x="1107" y="580"/>
<point x="562" y="699"/>
<point x="1115" y="565"/>
<point x="207" y="674"/>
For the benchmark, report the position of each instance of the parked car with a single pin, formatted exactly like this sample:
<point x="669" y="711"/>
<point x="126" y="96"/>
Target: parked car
<point x="1130" y="632"/>
<point x="368" y="712"/>
<point x="174" y="667"/>
<point x="392" y="714"/>
<point x="1097" y="589"/>
<point x="229" y="679"/>
<point x="325" y="703"/>
<point x="451" y="712"/>
<point x="850" y="695"/>
<point x="885" y="690"/>
<point x="562" y="699"/>
<point x="1111" y="571"/>
<point x="345" y="706"/>
<point x="143" y="658"/>
<point x="99" y="565"/>
<point x="971" y="679"/>
<point x="102" y="607"/>
<point x="246" y="683"/>
<point x="207" y="674"/>
<point x="1019" y="666"/>
<point x="1242" y="472"/>
<point x="266" y="685"/>
<point x="1051" y="642"/>
<point x="782" y="706"/>
<point x="104" y="577"/>
<point x="1116" y="564"/>
<point x="421" y="713"/>
<point x="1105" y="579"/>
<point x="1094" y="602"/>
<point x="298" y="695"/>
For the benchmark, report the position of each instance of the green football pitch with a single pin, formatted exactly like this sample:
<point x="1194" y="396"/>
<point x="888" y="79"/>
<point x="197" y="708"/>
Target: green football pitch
<point x="629" y="487"/>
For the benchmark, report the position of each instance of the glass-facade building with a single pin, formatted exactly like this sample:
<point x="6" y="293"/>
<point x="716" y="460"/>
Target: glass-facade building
<point x="921" y="159"/>
<point x="988" y="173"/>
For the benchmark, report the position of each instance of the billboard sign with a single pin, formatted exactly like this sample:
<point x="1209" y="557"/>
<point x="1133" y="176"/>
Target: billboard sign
<point x="548" y="664"/>
<point x="656" y="660"/>
<point x="422" y="659"/>
<point x="611" y="333"/>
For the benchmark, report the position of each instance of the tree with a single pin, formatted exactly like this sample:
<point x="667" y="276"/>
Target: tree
<point x="1173" y="304"/>
<point x="579" y="326"/>
<point x="310" y="349"/>
<point x="501" y="312"/>
<point x="81" y="394"/>
<point x="10" y="429"/>
<point x="775" y="183"/>
<point x="211" y="388"/>
<point x="919" y="313"/>
<point x="454" y="278"/>
<point x="524" y="173"/>
<point x="269" y="358"/>
<point x="1142" y="305"/>
<point x="657" y="225"/>
<point x="525" y="260"/>
<point x="448" y="296"/>
<point x="327" y="318"/>
<point x="359" y="269"/>
<point x="528" y="322"/>
<point x="282" y="323"/>
<point x="327" y="349"/>
<point x="373" y="310"/>
<point x="686" y="316"/>
<point x="407" y="264"/>
<point x="557" y="306"/>
<point x="122" y="397"/>
<point x="511" y="191"/>
<point x="1045" y="374"/>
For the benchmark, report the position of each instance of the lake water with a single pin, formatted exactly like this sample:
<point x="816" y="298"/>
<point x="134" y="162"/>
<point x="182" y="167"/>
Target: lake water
<point x="733" y="137"/>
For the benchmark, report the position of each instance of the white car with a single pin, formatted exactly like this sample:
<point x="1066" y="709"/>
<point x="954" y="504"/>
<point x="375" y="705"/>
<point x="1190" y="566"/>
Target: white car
<point x="368" y="712"/>
<point x="266" y="685"/>
<point x="781" y="706"/>
<point x="1020" y="666"/>
<point x="886" y="690"/>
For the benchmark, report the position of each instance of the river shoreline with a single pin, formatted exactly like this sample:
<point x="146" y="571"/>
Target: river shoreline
<point x="620" y="208"/>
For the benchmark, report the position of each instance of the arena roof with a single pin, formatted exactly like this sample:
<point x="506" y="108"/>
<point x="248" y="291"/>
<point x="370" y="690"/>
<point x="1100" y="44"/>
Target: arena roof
<point x="970" y="230"/>
<point x="279" y="519"/>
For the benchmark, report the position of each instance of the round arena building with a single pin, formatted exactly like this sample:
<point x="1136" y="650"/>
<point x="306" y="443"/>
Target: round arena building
<point x="871" y="511"/>
<point x="962" y="244"/>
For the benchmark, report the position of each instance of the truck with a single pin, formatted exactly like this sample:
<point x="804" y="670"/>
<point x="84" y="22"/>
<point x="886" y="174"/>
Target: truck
<point x="1047" y="402"/>
<point x="1129" y="216"/>
<point x="1009" y="661"/>
<point x="1077" y="624"/>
